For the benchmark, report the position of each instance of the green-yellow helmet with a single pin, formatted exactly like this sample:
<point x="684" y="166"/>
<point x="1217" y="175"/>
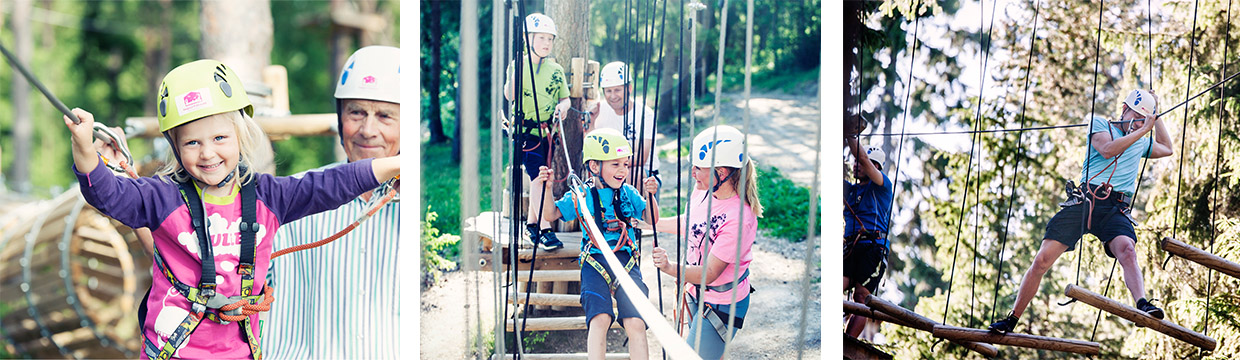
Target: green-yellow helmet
<point x="605" y="144"/>
<point x="199" y="89"/>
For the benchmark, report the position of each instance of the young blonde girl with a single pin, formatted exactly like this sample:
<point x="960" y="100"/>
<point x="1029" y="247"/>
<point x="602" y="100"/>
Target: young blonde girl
<point x="197" y="209"/>
<point x="719" y="162"/>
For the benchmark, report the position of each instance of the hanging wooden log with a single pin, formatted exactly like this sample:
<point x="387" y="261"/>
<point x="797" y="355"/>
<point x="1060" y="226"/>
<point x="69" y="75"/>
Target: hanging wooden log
<point x="1015" y="339"/>
<point x="1190" y="253"/>
<point x="914" y="320"/>
<point x="1140" y="317"/>
<point x="856" y="308"/>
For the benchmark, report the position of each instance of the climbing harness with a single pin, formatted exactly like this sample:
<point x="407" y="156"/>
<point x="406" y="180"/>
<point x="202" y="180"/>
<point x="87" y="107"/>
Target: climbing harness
<point x="623" y="243"/>
<point x="206" y="303"/>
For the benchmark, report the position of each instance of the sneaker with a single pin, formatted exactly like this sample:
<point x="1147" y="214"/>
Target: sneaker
<point x="1149" y="308"/>
<point x="549" y="242"/>
<point x="1004" y="326"/>
<point x="531" y="237"/>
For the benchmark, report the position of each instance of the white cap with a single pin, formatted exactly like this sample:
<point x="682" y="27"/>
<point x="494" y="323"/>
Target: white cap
<point x="539" y="23"/>
<point x="612" y="75"/>
<point x="729" y="143"/>
<point x="371" y="73"/>
<point x="1142" y="102"/>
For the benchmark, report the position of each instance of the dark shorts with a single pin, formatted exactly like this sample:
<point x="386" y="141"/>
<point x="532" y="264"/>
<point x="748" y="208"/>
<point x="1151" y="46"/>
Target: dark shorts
<point x="596" y="297"/>
<point x="1109" y="222"/>
<point x="865" y="262"/>
<point x="537" y="154"/>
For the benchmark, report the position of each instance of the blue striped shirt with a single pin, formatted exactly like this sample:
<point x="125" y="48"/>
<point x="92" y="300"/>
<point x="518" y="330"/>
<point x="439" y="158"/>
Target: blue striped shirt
<point x="338" y="300"/>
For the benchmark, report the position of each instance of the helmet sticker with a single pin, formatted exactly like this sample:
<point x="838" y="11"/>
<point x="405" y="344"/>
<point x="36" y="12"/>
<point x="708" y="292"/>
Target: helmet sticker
<point x="193" y="100"/>
<point x="707" y="147"/>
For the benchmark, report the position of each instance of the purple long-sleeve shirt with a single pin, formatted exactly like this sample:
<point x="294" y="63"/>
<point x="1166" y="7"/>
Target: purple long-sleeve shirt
<point x="157" y="204"/>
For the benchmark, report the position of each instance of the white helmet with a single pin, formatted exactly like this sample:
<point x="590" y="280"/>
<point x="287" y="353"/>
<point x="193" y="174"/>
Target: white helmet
<point x="539" y="23"/>
<point x="371" y="73"/>
<point x="1142" y="102"/>
<point x="729" y="143"/>
<point x="612" y="75"/>
<point x="876" y="154"/>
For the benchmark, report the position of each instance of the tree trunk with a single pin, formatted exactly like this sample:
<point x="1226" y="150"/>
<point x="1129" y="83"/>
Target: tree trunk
<point x="572" y="21"/>
<point x="23" y="129"/>
<point x="434" y="30"/>
<point x="239" y="33"/>
<point x="158" y="57"/>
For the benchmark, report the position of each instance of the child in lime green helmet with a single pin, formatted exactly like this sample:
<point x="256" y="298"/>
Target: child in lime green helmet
<point x="211" y="217"/>
<point x="614" y="206"/>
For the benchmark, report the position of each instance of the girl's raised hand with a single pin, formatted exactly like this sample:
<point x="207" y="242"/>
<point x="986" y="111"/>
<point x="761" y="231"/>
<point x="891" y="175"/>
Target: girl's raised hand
<point x="83" y="133"/>
<point x="544" y="173"/>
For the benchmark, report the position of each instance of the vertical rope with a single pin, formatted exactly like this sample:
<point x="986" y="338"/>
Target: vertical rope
<point x="741" y="185"/>
<point x="1179" y="178"/>
<point x="1218" y="146"/>
<point x="723" y="32"/>
<point x="972" y="147"/>
<point x="1020" y="146"/>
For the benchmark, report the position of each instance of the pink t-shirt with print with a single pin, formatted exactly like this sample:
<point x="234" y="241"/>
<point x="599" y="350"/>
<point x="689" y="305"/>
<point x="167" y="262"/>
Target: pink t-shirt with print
<point x="723" y="235"/>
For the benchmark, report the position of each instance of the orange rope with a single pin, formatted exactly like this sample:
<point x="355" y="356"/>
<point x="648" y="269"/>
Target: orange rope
<point x="386" y="198"/>
<point x="247" y="308"/>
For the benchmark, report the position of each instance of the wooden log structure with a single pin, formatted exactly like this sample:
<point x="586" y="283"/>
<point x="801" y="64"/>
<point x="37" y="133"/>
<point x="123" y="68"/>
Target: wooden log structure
<point x="1015" y="339"/>
<point x="856" y="308"/>
<point x="859" y="350"/>
<point x="916" y="321"/>
<point x="1190" y="253"/>
<point x="1140" y="317"/>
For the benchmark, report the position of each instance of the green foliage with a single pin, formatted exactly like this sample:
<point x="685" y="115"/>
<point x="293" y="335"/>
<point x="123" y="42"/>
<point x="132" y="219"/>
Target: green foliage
<point x="436" y="250"/>
<point x="783" y="203"/>
<point x="441" y="181"/>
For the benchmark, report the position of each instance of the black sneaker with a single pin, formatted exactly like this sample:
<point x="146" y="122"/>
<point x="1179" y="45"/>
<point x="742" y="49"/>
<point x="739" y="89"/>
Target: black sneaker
<point x="1004" y="326"/>
<point x="1149" y="308"/>
<point x="549" y="242"/>
<point x="532" y="239"/>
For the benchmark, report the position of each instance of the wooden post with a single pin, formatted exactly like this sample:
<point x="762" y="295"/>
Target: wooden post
<point x="858" y="350"/>
<point x="1199" y="256"/>
<point x="1140" y="317"/>
<point x="916" y="321"/>
<point x="1014" y="339"/>
<point x="576" y="77"/>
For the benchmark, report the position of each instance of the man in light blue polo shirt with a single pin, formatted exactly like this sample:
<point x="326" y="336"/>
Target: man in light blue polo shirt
<point x="339" y="301"/>
<point x="1101" y="205"/>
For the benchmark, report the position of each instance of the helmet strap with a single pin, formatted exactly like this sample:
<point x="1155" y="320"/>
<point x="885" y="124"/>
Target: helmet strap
<point x="718" y="181"/>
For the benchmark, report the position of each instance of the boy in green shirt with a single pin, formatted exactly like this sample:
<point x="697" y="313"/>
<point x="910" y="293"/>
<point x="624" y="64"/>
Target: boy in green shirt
<point x="544" y="93"/>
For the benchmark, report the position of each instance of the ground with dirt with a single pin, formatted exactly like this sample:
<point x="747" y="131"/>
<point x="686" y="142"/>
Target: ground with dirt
<point x="770" y="329"/>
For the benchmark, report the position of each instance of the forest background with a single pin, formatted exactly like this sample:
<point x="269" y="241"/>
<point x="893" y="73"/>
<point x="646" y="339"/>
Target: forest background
<point x="970" y="210"/>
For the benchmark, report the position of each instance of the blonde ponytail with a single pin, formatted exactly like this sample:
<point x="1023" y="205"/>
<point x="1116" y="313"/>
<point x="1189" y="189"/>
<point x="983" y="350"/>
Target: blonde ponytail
<point x="751" y="187"/>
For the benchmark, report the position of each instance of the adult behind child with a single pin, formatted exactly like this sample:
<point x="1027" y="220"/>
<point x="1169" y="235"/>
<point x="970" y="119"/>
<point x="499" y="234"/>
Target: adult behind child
<point x="622" y="112"/>
<point x="613" y="205"/>
<point x="717" y="170"/>
<point x="538" y="106"/>
<point x="360" y="267"/>
<point x="212" y="219"/>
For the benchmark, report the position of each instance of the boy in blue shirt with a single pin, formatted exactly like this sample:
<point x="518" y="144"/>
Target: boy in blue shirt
<point x="866" y="214"/>
<point x="1109" y="181"/>
<point x="614" y="206"/>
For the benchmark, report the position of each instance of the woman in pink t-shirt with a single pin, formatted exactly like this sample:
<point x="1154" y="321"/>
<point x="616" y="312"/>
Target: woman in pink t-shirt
<point x="718" y="151"/>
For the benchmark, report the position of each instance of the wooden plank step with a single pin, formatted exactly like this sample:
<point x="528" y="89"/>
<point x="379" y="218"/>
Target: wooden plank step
<point x="550" y="275"/>
<point x="1190" y="253"/>
<point x="548" y="299"/>
<point x="554" y="323"/>
<point x="1140" y="317"/>
<point x="575" y="356"/>
<point x="917" y="321"/>
<point x="1015" y="339"/>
